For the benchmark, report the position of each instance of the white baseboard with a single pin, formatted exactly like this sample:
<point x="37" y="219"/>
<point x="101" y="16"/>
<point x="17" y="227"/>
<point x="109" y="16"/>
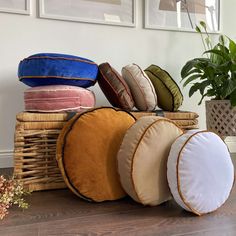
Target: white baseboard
<point x="6" y="159"/>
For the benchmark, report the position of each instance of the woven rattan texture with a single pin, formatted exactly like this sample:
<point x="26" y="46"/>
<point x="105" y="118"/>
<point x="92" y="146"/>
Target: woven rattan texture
<point x="221" y="117"/>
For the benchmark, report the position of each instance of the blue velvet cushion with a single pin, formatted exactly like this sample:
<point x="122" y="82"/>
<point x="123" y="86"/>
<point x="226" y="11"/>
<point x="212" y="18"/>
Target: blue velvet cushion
<point x="51" y="69"/>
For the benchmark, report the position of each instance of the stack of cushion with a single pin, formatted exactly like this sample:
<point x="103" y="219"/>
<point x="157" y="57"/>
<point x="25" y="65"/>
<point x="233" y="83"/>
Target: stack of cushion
<point x="59" y="82"/>
<point x="143" y="89"/>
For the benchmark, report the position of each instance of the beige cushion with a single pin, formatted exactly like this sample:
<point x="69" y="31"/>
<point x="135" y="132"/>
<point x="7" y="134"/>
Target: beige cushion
<point x="142" y="159"/>
<point x="141" y="87"/>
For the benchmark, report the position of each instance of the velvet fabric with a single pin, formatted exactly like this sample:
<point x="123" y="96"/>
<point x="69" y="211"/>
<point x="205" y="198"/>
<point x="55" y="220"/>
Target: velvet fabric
<point x="53" y="69"/>
<point x="114" y="87"/>
<point x="168" y="92"/>
<point x="86" y="152"/>
<point x="57" y="98"/>
<point x="141" y="87"/>
<point x="142" y="159"/>
<point x="200" y="171"/>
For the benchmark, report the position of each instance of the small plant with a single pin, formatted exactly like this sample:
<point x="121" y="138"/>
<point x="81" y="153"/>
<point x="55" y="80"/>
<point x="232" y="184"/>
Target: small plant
<point x="215" y="74"/>
<point x="11" y="193"/>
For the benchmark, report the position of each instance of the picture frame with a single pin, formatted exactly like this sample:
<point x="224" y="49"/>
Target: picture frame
<point x="15" y="6"/>
<point x="108" y="12"/>
<point x="182" y="15"/>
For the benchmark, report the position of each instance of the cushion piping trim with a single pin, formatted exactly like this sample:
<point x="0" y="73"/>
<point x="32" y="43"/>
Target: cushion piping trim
<point x="178" y="178"/>
<point x="144" y="99"/>
<point x="173" y="99"/>
<point x="150" y="83"/>
<point x="60" y="58"/>
<point x="53" y="76"/>
<point x="65" y="135"/>
<point x="113" y="87"/>
<point x="136" y="148"/>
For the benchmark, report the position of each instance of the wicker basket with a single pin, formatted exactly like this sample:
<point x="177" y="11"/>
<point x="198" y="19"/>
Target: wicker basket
<point x="35" y="145"/>
<point x="35" y="150"/>
<point x="221" y="117"/>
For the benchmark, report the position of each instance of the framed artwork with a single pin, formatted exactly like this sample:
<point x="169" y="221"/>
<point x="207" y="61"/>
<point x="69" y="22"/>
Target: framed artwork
<point x="182" y="15"/>
<point x="112" y="12"/>
<point x="15" y="6"/>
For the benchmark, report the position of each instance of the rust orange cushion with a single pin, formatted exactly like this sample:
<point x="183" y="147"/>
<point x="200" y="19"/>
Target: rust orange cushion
<point x="86" y="153"/>
<point x="114" y="87"/>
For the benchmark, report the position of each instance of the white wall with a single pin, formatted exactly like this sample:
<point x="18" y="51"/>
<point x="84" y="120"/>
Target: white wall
<point x="21" y="36"/>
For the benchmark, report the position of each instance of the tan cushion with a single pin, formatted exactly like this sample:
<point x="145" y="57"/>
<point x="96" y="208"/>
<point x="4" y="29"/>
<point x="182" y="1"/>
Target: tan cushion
<point x="141" y="87"/>
<point x="86" y="152"/>
<point x="142" y="159"/>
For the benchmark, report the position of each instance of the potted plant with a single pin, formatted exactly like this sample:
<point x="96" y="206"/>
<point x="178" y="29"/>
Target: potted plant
<point x="214" y="76"/>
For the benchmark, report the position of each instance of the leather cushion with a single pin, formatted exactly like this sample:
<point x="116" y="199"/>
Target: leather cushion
<point x="86" y="152"/>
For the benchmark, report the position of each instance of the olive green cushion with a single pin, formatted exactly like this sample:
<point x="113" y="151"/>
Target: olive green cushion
<point x="168" y="92"/>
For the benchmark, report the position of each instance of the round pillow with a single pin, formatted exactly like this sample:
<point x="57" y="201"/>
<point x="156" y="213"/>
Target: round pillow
<point x="86" y="153"/>
<point x="57" y="98"/>
<point x="200" y="171"/>
<point x="141" y="87"/>
<point x="114" y="87"/>
<point x="142" y="159"/>
<point x="168" y="92"/>
<point x="51" y="69"/>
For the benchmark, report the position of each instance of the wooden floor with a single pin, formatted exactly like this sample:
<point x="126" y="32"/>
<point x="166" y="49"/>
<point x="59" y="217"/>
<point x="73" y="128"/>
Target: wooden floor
<point x="60" y="212"/>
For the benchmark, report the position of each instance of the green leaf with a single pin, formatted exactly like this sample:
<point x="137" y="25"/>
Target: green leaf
<point x="194" y="89"/>
<point x="191" y="78"/>
<point x="232" y="48"/>
<point x="203" y="96"/>
<point x="228" y="87"/>
<point x="203" y="24"/>
<point x="222" y="39"/>
<point x="203" y="86"/>
<point x="233" y="98"/>
<point x="224" y="55"/>
<point x="197" y="28"/>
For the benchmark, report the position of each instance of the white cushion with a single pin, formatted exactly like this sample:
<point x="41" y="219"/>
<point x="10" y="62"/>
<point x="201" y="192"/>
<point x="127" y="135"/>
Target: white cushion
<point x="200" y="171"/>
<point x="142" y="159"/>
<point x="141" y="87"/>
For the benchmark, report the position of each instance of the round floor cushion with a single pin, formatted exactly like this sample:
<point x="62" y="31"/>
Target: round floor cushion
<point x="200" y="172"/>
<point x="142" y="159"/>
<point x="141" y="87"/>
<point x="168" y="92"/>
<point x="56" y="98"/>
<point x="86" y="153"/>
<point x="114" y="87"/>
<point x="52" y="68"/>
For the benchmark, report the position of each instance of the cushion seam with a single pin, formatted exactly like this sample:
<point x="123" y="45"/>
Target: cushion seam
<point x="136" y="148"/>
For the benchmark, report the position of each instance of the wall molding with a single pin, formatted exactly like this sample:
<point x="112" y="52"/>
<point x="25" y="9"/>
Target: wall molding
<point x="6" y="158"/>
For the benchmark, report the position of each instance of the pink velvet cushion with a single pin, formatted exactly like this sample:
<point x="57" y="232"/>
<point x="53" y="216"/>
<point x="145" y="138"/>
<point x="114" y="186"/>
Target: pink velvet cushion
<point x="55" y="98"/>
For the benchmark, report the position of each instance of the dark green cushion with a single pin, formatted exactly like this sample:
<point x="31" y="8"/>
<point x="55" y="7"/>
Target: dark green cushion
<point x="168" y="92"/>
